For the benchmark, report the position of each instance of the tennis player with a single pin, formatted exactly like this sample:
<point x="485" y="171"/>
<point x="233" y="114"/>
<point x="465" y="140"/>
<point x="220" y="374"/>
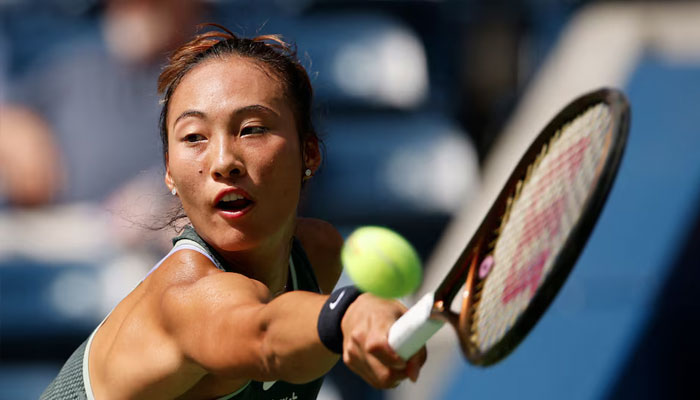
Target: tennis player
<point x="236" y="310"/>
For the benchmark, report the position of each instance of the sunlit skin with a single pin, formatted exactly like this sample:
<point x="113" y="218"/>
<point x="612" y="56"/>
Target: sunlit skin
<point x="191" y="331"/>
<point x="247" y="141"/>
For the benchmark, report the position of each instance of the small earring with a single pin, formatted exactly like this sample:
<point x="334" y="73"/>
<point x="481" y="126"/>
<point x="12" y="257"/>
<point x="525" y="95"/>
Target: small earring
<point x="174" y="191"/>
<point x="307" y="172"/>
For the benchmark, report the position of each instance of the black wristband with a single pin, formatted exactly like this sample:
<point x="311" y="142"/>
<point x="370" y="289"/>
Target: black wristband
<point x="332" y="314"/>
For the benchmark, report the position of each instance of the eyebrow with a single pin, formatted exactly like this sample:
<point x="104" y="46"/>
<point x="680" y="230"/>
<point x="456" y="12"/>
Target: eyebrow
<point x="189" y="113"/>
<point x="255" y="108"/>
<point x="243" y="110"/>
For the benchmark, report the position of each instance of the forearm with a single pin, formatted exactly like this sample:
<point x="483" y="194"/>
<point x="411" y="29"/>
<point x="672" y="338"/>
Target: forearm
<point x="290" y="343"/>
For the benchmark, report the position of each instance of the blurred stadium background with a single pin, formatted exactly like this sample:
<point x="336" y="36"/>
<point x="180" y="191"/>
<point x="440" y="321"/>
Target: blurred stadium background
<point x="425" y="106"/>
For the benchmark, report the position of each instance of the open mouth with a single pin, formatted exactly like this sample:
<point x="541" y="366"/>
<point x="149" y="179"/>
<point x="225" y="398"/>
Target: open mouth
<point x="233" y="202"/>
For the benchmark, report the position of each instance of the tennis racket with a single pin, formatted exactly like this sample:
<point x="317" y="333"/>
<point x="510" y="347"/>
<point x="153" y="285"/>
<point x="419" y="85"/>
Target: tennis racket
<point x="520" y="256"/>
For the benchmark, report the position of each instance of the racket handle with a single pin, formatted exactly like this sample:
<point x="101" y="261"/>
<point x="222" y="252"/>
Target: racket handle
<point x="410" y="332"/>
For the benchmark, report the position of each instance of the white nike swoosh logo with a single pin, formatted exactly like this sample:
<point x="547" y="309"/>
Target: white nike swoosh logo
<point x="333" y="304"/>
<point x="267" y="385"/>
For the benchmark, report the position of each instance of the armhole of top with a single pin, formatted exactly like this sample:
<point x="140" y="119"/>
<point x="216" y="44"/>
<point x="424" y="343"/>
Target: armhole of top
<point x="188" y="244"/>
<point x="86" y="371"/>
<point x="183" y="244"/>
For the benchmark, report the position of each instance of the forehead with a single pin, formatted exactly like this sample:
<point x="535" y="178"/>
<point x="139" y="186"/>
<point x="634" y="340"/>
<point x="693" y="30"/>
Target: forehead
<point x="229" y="82"/>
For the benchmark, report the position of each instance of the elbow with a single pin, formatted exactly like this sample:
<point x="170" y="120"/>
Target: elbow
<point x="233" y="349"/>
<point x="258" y="356"/>
<point x="293" y="364"/>
<point x="270" y="359"/>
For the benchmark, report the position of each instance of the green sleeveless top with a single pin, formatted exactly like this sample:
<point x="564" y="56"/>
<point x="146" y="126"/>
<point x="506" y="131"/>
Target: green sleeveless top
<point x="301" y="277"/>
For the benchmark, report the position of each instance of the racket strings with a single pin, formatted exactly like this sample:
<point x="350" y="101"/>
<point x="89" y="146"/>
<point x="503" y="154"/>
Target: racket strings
<point x="545" y="205"/>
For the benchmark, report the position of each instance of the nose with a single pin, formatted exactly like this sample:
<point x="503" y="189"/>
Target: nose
<point x="225" y="161"/>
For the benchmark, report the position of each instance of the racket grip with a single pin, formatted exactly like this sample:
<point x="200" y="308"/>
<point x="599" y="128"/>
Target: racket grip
<point x="410" y="332"/>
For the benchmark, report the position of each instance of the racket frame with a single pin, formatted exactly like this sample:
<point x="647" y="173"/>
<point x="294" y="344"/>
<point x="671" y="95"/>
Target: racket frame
<point x="463" y="273"/>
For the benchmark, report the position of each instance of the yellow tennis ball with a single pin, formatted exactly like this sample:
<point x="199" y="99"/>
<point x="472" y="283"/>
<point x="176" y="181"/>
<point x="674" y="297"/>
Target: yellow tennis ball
<point x="381" y="262"/>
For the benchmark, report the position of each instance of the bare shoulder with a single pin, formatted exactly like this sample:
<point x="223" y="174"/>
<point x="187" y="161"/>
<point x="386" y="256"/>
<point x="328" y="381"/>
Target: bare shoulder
<point x="188" y="283"/>
<point x="192" y="273"/>
<point x="183" y="267"/>
<point x="322" y="243"/>
<point x="161" y="331"/>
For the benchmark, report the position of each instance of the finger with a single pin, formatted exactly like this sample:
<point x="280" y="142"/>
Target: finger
<point x="415" y="363"/>
<point x="373" y="370"/>
<point x="377" y="374"/>
<point x="378" y="347"/>
<point x="369" y="368"/>
<point x="422" y="356"/>
<point x="355" y="360"/>
<point x="385" y="377"/>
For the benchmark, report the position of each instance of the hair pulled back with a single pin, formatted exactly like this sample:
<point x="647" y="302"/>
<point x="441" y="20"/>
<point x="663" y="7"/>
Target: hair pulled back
<point x="268" y="50"/>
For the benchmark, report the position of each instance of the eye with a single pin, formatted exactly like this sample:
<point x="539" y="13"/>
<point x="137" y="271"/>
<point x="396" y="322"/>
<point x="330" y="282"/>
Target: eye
<point x="252" y="130"/>
<point x="193" y="138"/>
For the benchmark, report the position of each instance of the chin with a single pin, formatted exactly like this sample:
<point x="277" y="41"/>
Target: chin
<point x="244" y="234"/>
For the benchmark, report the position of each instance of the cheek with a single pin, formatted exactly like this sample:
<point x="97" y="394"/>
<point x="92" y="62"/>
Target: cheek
<point x="185" y="175"/>
<point x="282" y="166"/>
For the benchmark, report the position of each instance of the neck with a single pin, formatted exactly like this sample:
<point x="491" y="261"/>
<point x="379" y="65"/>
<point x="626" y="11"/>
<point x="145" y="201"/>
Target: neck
<point x="267" y="263"/>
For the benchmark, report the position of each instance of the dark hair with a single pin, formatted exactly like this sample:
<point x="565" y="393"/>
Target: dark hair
<point x="269" y="50"/>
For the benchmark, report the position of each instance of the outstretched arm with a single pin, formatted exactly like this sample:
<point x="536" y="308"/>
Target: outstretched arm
<point x="227" y="324"/>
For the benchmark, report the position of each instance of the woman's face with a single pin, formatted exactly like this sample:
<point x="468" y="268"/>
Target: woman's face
<point x="234" y="155"/>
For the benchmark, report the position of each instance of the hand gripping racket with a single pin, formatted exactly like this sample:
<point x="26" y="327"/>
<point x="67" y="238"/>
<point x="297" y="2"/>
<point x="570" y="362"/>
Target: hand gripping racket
<point x="521" y="254"/>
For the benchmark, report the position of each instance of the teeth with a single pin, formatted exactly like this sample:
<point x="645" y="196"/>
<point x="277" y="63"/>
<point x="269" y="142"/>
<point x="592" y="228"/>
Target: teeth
<point x="232" y="197"/>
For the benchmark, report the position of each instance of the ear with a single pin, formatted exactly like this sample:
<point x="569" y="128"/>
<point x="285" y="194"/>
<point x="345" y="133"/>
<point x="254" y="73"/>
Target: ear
<point x="311" y="155"/>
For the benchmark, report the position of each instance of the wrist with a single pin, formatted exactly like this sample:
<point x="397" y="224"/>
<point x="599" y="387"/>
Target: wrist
<point x="331" y="316"/>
